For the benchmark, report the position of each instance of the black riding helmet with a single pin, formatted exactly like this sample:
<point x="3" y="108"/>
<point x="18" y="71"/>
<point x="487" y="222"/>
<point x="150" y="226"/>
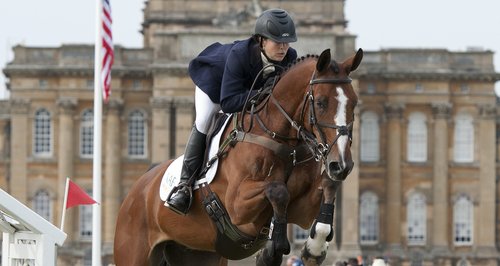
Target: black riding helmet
<point x="277" y="25"/>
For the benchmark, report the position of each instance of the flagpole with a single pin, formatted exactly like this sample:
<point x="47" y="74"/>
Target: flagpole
<point x="97" y="153"/>
<point x="64" y="203"/>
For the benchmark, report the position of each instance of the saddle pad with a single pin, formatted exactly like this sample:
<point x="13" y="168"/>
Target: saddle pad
<point x="172" y="175"/>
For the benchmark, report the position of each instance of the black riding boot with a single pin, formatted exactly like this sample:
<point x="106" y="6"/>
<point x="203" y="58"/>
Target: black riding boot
<point x="180" y="198"/>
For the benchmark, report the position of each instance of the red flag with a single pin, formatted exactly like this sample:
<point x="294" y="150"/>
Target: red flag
<point x="77" y="196"/>
<point x="107" y="50"/>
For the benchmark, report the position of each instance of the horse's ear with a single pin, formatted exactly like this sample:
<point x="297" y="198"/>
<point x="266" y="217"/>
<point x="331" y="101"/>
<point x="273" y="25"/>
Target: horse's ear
<point x="323" y="61"/>
<point x="353" y="62"/>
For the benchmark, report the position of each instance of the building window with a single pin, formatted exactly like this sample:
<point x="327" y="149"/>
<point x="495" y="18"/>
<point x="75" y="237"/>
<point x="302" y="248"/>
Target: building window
<point x="463" y="262"/>
<point x="419" y="87"/>
<point x="43" y="83"/>
<point x="463" y="148"/>
<point x="42" y="133"/>
<point x="137" y="135"/>
<point x="370" y="137"/>
<point x="90" y="83"/>
<point x="87" y="257"/>
<point x="86" y="220"/>
<point x="417" y="138"/>
<point x="368" y="219"/>
<point x="172" y="132"/>
<point x="416" y="213"/>
<point x="87" y="134"/>
<point x="136" y="84"/>
<point x="463" y="211"/>
<point x="416" y="258"/>
<point x="299" y="235"/>
<point x="464" y="88"/>
<point x="371" y="89"/>
<point x="42" y="205"/>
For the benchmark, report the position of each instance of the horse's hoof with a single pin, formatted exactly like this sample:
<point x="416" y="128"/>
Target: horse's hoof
<point x="311" y="260"/>
<point x="282" y="247"/>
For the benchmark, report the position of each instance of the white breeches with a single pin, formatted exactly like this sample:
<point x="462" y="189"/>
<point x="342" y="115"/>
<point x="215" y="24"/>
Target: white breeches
<point x="205" y="110"/>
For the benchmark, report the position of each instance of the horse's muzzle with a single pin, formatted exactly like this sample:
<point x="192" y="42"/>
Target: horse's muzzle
<point x="339" y="171"/>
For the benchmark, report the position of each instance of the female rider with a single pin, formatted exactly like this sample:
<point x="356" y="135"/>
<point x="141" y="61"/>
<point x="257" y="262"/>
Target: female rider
<point x="223" y="74"/>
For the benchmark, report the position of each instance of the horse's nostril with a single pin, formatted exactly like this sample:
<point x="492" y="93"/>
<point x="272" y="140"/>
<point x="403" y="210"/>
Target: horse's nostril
<point x="335" y="167"/>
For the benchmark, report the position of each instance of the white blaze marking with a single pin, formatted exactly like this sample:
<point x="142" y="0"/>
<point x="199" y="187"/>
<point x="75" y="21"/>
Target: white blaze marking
<point x="341" y="120"/>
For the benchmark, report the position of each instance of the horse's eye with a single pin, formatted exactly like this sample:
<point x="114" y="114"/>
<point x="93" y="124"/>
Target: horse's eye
<point x="322" y="103"/>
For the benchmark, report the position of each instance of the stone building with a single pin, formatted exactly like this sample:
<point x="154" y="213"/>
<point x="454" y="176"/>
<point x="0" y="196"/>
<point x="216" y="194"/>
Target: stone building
<point x="428" y="157"/>
<point x="424" y="189"/>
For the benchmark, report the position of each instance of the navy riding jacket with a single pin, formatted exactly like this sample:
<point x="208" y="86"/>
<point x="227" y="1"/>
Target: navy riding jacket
<point x="225" y="72"/>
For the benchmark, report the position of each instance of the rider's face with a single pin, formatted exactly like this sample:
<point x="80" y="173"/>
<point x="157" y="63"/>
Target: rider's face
<point x="275" y="50"/>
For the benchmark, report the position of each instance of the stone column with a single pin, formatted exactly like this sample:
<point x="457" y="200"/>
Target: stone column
<point x="184" y="107"/>
<point x="161" y="107"/>
<point x="393" y="180"/>
<point x="350" y="200"/>
<point x="112" y="167"/>
<point x="65" y="155"/>
<point x="440" y="225"/>
<point x="486" y="213"/>
<point x="4" y="142"/>
<point x="19" y="149"/>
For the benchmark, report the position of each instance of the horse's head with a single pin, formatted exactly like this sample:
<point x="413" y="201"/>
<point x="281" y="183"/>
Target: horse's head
<point x="331" y="100"/>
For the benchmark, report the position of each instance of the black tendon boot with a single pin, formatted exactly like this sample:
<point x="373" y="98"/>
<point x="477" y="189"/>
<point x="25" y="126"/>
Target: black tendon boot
<point x="180" y="198"/>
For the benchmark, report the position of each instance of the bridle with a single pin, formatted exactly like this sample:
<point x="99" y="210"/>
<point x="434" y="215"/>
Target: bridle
<point x="318" y="150"/>
<point x="322" y="148"/>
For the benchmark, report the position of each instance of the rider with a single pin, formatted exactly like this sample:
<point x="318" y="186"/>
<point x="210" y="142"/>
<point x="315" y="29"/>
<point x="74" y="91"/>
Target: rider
<point x="223" y="74"/>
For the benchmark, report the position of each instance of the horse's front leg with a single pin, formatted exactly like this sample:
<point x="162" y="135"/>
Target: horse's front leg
<point x="277" y="194"/>
<point x="314" y="251"/>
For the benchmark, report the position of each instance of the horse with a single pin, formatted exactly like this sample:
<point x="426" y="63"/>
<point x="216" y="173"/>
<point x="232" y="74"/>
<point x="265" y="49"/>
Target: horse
<point x="284" y="157"/>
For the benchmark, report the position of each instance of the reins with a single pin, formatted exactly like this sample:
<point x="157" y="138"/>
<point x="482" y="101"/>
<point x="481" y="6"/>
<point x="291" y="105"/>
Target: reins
<point x="318" y="150"/>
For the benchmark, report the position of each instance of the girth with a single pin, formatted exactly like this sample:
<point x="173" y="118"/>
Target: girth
<point x="231" y="243"/>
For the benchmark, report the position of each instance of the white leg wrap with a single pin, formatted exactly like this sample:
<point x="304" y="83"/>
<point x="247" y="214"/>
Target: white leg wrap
<point x="317" y="245"/>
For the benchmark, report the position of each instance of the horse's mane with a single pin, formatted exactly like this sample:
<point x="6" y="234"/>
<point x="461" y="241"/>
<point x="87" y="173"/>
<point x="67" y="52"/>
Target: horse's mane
<point x="334" y="66"/>
<point x="297" y="61"/>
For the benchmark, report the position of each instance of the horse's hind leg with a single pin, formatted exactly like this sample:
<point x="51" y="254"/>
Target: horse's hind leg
<point x="314" y="251"/>
<point x="179" y="255"/>
<point x="272" y="254"/>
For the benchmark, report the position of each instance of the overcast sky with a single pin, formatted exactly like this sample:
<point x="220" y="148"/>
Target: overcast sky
<point x="451" y="24"/>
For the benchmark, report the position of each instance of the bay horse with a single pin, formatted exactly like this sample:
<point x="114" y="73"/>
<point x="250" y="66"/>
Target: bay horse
<point x="288" y="155"/>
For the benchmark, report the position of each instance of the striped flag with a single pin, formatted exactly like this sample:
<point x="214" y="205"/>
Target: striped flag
<point x="107" y="49"/>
